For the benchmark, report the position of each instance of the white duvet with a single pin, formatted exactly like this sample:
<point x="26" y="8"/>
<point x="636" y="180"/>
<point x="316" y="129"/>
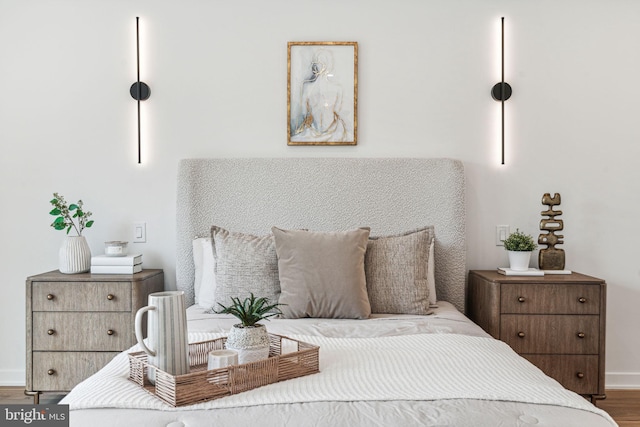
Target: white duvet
<point x="404" y="370"/>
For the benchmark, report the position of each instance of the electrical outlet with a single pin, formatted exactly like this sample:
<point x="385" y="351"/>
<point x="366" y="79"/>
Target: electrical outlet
<point x="502" y="232"/>
<point x="139" y="232"/>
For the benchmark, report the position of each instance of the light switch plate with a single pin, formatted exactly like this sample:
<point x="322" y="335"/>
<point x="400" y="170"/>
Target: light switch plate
<point x="502" y="232"/>
<point x="139" y="232"/>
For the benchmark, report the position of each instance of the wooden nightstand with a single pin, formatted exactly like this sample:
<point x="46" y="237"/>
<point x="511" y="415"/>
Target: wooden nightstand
<point x="557" y="322"/>
<point x="76" y="323"/>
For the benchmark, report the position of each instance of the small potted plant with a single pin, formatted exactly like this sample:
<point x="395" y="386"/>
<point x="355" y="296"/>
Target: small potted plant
<point x="74" y="255"/>
<point x="519" y="247"/>
<point x="249" y="338"/>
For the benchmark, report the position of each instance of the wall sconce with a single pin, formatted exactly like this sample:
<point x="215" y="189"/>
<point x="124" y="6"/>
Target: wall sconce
<point x="139" y="90"/>
<point x="502" y="90"/>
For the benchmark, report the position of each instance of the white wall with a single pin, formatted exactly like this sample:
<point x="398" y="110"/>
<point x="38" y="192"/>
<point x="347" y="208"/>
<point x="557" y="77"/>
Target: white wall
<point x="218" y="71"/>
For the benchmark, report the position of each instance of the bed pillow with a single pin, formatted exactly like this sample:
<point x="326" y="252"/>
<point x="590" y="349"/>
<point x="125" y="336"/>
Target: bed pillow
<point x="197" y="264"/>
<point x="204" y="284"/>
<point x="431" y="275"/>
<point x="397" y="273"/>
<point x="322" y="273"/>
<point x="244" y="264"/>
<point x="207" y="297"/>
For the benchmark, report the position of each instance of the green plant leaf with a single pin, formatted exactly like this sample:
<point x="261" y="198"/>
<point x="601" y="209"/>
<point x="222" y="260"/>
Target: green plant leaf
<point x="251" y="310"/>
<point x="519" y="241"/>
<point x="73" y="207"/>
<point x="55" y="211"/>
<point x="89" y="224"/>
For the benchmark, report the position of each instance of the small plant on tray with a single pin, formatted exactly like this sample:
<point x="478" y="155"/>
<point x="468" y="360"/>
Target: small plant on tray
<point x="249" y="338"/>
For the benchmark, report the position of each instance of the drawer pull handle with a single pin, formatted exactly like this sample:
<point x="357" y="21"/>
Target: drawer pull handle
<point x="580" y="334"/>
<point x="580" y="375"/>
<point x="51" y="331"/>
<point x="521" y="334"/>
<point x="110" y="297"/>
<point x="51" y="297"/>
<point x="582" y="300"/>
<point x="521" y="299"/>
<point x="110" y="332"/>
<point x="51" y="371"/>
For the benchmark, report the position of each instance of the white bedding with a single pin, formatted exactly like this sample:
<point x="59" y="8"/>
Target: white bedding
<point x="486" y="383"/>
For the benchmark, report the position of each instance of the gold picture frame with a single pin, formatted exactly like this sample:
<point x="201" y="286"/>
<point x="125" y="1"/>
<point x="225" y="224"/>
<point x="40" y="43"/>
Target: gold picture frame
<point x="322" y="96"/>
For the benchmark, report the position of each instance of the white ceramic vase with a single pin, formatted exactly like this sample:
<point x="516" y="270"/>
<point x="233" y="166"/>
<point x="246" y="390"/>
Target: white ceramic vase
<point x="251" y="342"/>
<point x="519" y="260"/>
<point x="74" y="255"/>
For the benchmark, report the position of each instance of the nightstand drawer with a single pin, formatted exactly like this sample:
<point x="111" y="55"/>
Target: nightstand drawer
<point x="81" y="296"/>
<point x="577" y="373"/>
<point x="549" y="334"/>
<point x="539" y="298"/>
<point x="54" y="371"/>
<point x="82" y="331"/>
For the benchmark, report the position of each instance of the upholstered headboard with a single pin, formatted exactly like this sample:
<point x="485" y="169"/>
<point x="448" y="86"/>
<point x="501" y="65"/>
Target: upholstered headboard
<point x="327" y="194"/>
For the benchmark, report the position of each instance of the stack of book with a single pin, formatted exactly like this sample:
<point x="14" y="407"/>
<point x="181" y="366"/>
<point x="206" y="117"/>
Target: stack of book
<point x="530" y="272"/>
<point x="105" y="264"/>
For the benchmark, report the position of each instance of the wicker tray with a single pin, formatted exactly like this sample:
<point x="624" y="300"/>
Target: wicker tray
<point x="288" y="359"/>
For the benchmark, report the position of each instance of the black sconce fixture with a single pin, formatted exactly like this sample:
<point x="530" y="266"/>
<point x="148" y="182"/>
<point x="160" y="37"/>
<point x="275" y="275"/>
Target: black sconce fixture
<point x="502" y="90"/>
<point x="139" y="90"/>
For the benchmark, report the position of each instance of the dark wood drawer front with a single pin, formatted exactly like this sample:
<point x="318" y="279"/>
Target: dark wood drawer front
<point x="61" y="371"/>
<point x="82" y="331"/>
<point x="81" y="296"/>
<point x="548" y="334"/>
<point x="540" y="298"/>
<point x="577" y="373"/>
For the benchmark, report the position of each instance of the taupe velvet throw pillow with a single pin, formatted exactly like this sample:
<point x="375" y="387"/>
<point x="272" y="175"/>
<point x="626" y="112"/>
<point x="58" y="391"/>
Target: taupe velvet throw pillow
<point x="322" y="273"/>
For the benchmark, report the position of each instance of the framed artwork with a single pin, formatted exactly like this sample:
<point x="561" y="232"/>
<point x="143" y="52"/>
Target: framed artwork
<point x="322" y="93"/>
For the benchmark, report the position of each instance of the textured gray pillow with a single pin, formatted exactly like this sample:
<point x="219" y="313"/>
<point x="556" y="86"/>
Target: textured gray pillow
<point x="322" y="273"/>
<point x="396" y="268"/>
<point x="244" y="264"/>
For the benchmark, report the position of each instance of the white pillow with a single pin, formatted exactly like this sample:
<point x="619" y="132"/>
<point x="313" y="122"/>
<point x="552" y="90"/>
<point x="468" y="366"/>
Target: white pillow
<point x="208" y="286"/>
<point x="431" y="275"/>
<point x="197" y="263"/>
<point x="205" y="279"/>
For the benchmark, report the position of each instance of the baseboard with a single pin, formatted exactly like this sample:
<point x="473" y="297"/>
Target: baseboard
<point x="12" y="377"/>
<point x="622" y="380"/>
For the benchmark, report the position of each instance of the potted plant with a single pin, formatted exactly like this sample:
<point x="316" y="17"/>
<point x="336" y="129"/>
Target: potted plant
<point x="249" y="338"/>
<point x="519" y="247"/>
<point x="74" y="255"/>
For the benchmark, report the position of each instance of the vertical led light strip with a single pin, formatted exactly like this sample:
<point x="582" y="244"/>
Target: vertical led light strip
<point x="502" y="90"/>
<point x="140" y="94"/>
<point x="139" y="90"/>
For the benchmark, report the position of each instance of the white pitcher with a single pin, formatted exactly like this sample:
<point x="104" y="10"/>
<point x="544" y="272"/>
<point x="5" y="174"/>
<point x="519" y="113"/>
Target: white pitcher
<point x="167" y="344"/>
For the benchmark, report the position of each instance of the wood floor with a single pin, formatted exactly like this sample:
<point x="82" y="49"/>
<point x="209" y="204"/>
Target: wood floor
<point x="622" y="405"/>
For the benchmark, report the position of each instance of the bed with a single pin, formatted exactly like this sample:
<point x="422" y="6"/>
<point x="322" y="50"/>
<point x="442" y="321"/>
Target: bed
<point x="408" y="356"/>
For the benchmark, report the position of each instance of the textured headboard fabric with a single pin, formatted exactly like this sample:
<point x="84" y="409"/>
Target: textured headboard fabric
<point x="390" y="195"/>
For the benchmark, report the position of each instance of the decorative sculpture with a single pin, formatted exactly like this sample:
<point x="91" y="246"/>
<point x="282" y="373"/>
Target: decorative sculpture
<point x="551" y="258"/>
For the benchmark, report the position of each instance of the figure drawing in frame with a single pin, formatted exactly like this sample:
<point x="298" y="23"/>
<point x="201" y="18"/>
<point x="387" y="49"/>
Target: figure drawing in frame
<point x="322" y="93"/>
